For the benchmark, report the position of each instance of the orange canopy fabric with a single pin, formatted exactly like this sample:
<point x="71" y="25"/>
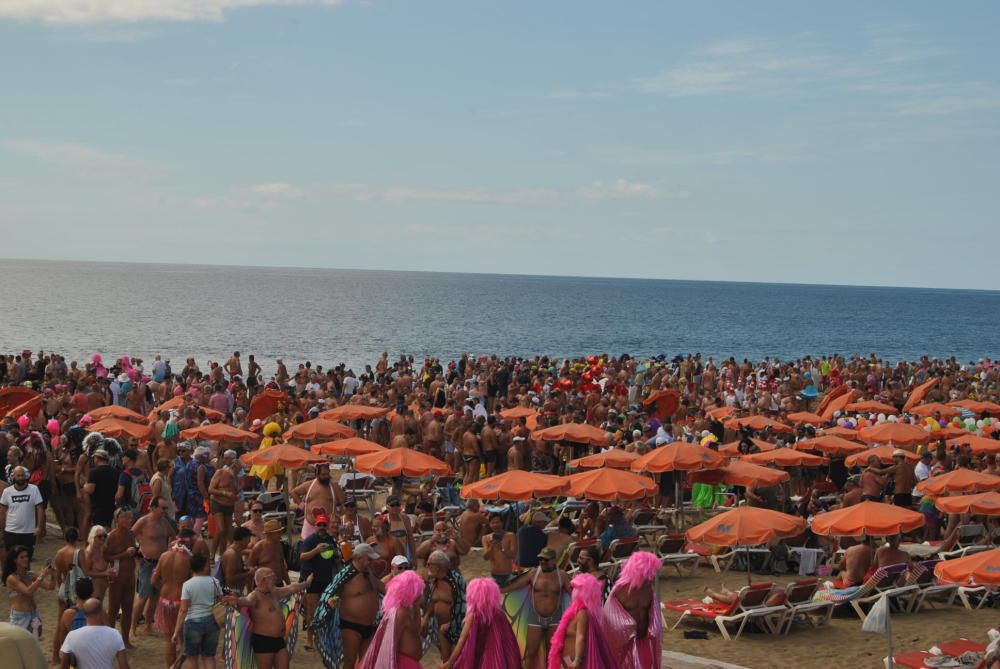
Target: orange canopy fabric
<point x="894" y="433"/>
<point x="741" y="473"/>
<point x="977" y="444"/>
<point x="979" y="568"/>
<point x="219" y="432"/>
<point x="786" y="457"/>
<point x="720" y="412"/>
<point x="354" y="412"/>
<point x="350" y="447"/>
<point x="29" y="407"/>
<point x="666" y="402"/>
<point x="984" y="503"/>
<point x="872" y="518"/>
<point x="616" y="458"/>
<point x="607" y="485"/>
<point x="806" y="417"/>
<point x="959" y="481"/>
<point x="931" y="408"/>
<point x="115" y="411"/>
<point x="116" y="427"/>
<point x="318" y="428"/>
<point x="14" y="396"/>
<point x="178" y="403"/>
<point x="831" y="445"/>
<point x="401" y="462"/>
<point x="578" y="433"/>
<point x="758" y="423"/>
<point x="264" y="404"/>
<point x="516" y="485"/>
<point x="837" y="402"/>
<point x="288" y="456"/>
<point x="845" y="432"/>
<point x="883" y="453"/>
<point x="947" y="432"/>
<point x="919" y="393"/>
<point x="529" y="415"/>
<point x="872" y="406"/>
<point x="747" y="526"/>
<point x="678" y="455"/>
<point x="991" y="408"/>
<point x="732" y="449"/>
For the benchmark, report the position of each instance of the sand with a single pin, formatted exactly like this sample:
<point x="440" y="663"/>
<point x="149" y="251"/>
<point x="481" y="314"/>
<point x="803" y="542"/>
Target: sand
<point x="841" y="644"/>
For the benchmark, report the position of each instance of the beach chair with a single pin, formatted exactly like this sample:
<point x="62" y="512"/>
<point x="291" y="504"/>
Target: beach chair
<point x="884" y="583"/>
<point x="749" y="605"/>
<point x="973" y="597"/>
<point x="359" y="486"/>
<point x="928" y="586"/>
<point x="569" y="558"/>
<point x="723" y="561"/>
<point x="969" y="535"/>
<point x="647" y="522"/>
<point x="670" y="549"/>
<point x="618" y="551"/>
<point x="799" y="602"/>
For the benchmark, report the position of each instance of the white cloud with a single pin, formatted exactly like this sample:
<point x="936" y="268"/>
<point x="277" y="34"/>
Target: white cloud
<point x="621" y="189"/>
<point x="514" y="197"/>
<point x="281" y="191"/>
<point x="82" y="158"/>
<point x="133" y="11"/>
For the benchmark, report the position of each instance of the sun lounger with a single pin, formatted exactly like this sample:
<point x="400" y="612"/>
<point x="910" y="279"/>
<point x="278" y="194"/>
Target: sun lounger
<point x="749" y="605"/>
<point x="884" y="583"/>
<point x="972" y="596"/>
<point x="670" y="549"/>
<point x="569" y="558"/>
<point x="648" y="524"/>
<point x="618" y="551"/>
<point x="927" y="587"/>
<point x="799" y="602"/>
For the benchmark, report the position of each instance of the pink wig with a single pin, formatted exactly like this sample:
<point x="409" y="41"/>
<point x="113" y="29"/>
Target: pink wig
<point x="97" y="359"/>
<point x="639" y="569"/>
<point x="587" y="590"/>
<point x="482" y="595"/>
<point x="23" y="421"/>
<point x="403" y="591"/>
<point x="53" y="427"/>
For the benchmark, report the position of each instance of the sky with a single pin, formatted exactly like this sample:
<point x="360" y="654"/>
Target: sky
<point x="846" y="143"/>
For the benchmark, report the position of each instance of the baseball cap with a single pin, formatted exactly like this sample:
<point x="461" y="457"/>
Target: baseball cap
<point x="322" y="518"/>
<point x="399" y="561"/>
<point x="364" y="550"/>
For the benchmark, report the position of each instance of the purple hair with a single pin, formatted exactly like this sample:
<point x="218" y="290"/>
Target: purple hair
<point x="482" y="596"/>
<point x="639" y="569"/>
<point x="403" y="591"/>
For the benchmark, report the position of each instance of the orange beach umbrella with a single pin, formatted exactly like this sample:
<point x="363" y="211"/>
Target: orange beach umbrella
<point x="350" y="447"/>
<point x="578" y="433"/>
<point x="872" y="518"/>
<point x="529" y="415"/>
<point x="979" y="568"/>
<point x="720" y="412"/>
<point x="931" y="408"/>
<point x="609" y="485"/>
<point x="976" y="444"/>
<point x="401" y="462"/>
<point x="288" y="456"/>
<point x="919" y="393"/>
<point x="318" y="428"/>
<point x="733" y="447"/>
<point x="747" y="526"/>
<point x="742" y="473"/>
<point x="264" y="404"/>
<point x="115" y="411"/>
<point x="974" y="406"/>
<point x="894" y="433"/>
<point x="840" y="397"/>
<point x="806" y="417"/>
<point x="219" y="432"/>
<point x="666" y="402"/>
<point x="984" y="503"/>
<point x="178" y="404"/>
<point x="116" y="427"/>
<point x="14" y="396"/>
<point x="678" y="455"/>
<point x="959" y="480"/>
<point x="354" y="412"/>
<point x="872" y="406"/>
<point x="846" y="432"/>
<point x="29" y="407"/>
<point x="786" y="457"/>
<point x="883" y="453"/>
<point x="515" y="485"/>
<point x="830" y="445"/>
<point x="758" y="423"/>
<point x="616" y="458"/>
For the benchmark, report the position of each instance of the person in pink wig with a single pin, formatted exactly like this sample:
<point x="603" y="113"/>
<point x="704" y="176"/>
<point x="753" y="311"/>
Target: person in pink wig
<point x="580" y="641"/>
<point x="632" y="614"/>
<point x="487" y="640"/>
<point x="396" y="644"/>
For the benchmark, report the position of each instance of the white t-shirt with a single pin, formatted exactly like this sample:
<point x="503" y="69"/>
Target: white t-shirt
<point x="95" y="646"/>
<point x="201" y="591"/>
<point x="351" y="385"/>
<point x="21" y="508"/>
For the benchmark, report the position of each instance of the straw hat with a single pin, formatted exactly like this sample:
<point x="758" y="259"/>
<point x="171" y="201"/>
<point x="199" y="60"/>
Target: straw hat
<point x="273" y="526"/>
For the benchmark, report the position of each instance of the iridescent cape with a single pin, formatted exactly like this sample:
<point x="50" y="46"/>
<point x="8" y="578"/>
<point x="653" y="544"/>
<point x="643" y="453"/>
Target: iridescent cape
<point x="633" y="652"/>
<point x="490" y="644"/>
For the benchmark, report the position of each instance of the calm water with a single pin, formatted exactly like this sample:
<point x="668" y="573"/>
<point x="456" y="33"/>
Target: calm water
<point x="331" y="316"/>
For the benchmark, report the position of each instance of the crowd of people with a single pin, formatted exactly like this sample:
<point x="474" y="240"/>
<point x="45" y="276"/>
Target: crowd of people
<point x="167" y="536"/>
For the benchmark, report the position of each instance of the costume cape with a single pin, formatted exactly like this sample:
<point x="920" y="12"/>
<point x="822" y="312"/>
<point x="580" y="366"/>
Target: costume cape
<point x="236" y="637"/>
<point x="598" y="654"/>
<point x="620" y="627"/>
<point x="490" y="644"/>
<point x="457" y="583"/>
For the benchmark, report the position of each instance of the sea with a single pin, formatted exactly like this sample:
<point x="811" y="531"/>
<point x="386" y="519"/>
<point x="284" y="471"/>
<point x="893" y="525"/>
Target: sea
<point x="332" y="316"/>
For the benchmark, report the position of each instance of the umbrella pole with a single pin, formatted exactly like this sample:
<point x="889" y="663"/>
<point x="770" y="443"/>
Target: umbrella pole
<point x="288" y="511"/>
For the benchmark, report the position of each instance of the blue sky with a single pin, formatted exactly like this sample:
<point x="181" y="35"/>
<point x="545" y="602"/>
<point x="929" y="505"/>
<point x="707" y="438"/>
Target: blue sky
<point x="791" y="142"/>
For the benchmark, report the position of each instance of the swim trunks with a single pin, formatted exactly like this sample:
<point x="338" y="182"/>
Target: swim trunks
<point x="366" y="631"/>
<point x="261" y="643"/>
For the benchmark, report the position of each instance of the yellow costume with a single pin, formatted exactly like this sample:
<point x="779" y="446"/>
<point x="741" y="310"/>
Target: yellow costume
<point x="266" y="472"/>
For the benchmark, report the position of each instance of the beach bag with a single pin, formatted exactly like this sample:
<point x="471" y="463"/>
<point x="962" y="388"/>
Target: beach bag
<point x="140" y="493"/>
<point x="219" y="609"/>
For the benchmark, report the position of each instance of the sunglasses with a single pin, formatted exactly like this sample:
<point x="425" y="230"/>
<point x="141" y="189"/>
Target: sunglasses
<point x="100" y="536"/>
<point x="256" y="510"/>
<point x="321" y="525"/>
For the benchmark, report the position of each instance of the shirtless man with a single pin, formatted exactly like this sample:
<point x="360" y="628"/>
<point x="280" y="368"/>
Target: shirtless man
<point x="472" y="524"/>
<point x="442" y="581"/>
<point x="434" y="436"/>
<point x="499" y="549"/>
<point x="266" y="617"/>
<point x="172" y="569"/>
<point x="471" y="456"/>
<point x="153" y="532"/>
<point x="235" y="574"/>
<point x="855" y="563"/>
<point x="400" y="530"/>
<point x="872" y="481"/>
<point x="357" y="599"/>
<point x="890" y="554"/>
<point x="406" y="645"/>
<point x="445" y="540"/>
<point x="548" y="586"/>
<point x="120" y="550"/>
<point x="233" y="366"/>
<point x="67" y="565"/>
<point x="491" y="445"/>
<point x="560" y="540"/>
<point x="515" y="455"/>
<point x="267" y="552"/>
<point x="321" y="495"/>
<point x="360" y="527"/>
<point x="904" y="479"/>
<point x="256" y="522"/>
<point x="223" y="493"/>
<point x="634" y="597"/>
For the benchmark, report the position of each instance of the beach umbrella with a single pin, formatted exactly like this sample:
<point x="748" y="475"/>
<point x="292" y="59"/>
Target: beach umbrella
<point x="530" y="416"/>
<point x="947" y="432"/>
<point x="400" y="462"/>
<point x="976" y="407"/>
<point x="894" y="433"/>
<point x="219" y="432"/>
<point x="979" y="568"/>
<point x="288" y="456"/>
<point x="350" y="447"/>
<point x="747" y="526"/>
<point x="984" y="503"/>
<point x="919" y="393"/>
<point x="838" y="431"/>
<point x="665" y="402"/>
<point x="831" y="445"/>
<point x="839" y="398"/>
<point x="872" y="406"/>
<point x="354" y="412"/>
<point x="29" y="407"/>
<point x="616" y="458"/>
<point x="786" y="457"/>
<point x="118" y="428"/>
<point x="678" y="455"/>
<point x="13" y="396"/>
<point x="720" y="412"/>
<point x="179" y="403"/>
<point x="515" y="485"/>
<point x="867" y="518"/>
<point x="741" y="473"/>
<point x="578" y="433"/>
<point x="265" y="403"/>
<point x="733" y="447"/>
<point x="883" y="453"/>
<point x="758" y="423"/>
<point x="318" y="428"/>
<point x="610" y="485"/>
<point x="978" y="445"/>
<point x="806" y="418"/>
<point x="959" y="481"/>
<point x="115" y="411"/>
<point x="928" y="410"/>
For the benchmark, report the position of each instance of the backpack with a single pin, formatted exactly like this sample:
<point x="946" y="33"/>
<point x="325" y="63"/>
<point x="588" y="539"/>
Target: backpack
<point x="140" y="494"/>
